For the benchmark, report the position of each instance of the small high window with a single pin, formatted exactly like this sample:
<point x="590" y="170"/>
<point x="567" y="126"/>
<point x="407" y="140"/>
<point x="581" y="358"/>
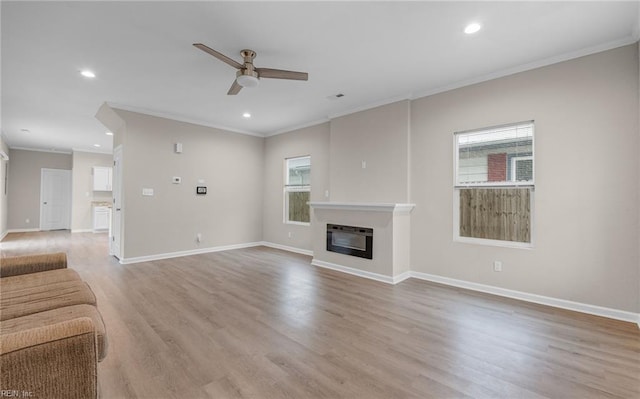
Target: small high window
<point x="297" y="190"/>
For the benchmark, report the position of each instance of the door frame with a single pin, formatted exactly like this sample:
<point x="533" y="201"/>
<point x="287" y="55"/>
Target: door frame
<point x="69" y="197"/>
<point x="118" y="207"/>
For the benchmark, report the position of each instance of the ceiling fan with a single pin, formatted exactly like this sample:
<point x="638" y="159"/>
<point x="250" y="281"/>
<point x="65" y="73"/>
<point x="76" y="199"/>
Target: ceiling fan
<point x="247" y="74"/>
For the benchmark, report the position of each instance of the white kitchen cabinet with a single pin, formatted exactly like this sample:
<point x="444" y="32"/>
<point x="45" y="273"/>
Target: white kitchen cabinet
<point x="102" y="178"/>
<point x="101" y="217"/>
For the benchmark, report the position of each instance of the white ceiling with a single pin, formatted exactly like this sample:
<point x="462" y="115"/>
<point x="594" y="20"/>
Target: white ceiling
<point x="372" y="52"/>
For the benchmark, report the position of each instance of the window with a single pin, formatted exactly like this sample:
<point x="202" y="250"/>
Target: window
<point x="494" y="182"/>
<point x="297" y="190"/>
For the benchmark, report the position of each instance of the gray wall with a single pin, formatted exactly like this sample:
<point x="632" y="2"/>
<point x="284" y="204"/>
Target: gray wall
<point x="586" y="217"/>
<point x="229" y="164"/>
<point x="83" y="194"/>
<point x="586" y="194"/>
<point x="380" y="137"/>
<point x="24" y="184"/>
<point x="3" y="194"/>
<point x="313" y="141"/>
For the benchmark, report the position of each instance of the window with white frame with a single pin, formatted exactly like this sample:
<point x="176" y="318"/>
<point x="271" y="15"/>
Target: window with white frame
<point x="494" y="182"/>
<point x="297" y="190"/>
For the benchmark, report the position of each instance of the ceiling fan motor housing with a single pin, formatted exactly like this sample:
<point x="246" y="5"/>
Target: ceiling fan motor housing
<point x="247" y="76"/>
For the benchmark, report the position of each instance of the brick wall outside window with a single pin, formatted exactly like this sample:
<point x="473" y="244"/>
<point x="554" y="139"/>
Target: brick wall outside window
<point x="497" y="167"/>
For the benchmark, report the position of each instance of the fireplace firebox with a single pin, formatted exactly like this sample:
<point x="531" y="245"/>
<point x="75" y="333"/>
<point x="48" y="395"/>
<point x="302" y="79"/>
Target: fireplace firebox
<point x="350" y="240"/>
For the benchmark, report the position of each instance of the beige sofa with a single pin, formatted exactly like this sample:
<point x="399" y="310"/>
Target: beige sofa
<point x="51" y="333"/>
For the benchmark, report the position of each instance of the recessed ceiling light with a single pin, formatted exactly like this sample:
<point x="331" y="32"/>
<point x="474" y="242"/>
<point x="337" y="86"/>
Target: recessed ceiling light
<point x="472" y="28"/>
<point x="25" y="130"/>
<point x="246" y="115"/>
<point x="109" y="133"/>
<point x="87" y="73"/>
<point x="96" y="145"/>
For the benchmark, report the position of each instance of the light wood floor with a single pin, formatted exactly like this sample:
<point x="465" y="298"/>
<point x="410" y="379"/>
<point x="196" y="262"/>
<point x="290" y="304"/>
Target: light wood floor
<point x="263" y="323"/>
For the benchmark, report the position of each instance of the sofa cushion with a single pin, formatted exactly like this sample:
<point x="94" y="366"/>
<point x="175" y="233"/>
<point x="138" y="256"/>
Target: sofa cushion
<point x="22" y="302"/>
<point x="37" y="279"/>
<point x="51" y="317"/>
<point x="16" y="265"/>
<point x="55" y="361"/>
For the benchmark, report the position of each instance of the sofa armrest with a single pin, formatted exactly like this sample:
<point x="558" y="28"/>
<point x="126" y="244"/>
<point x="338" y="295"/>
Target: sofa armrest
<point x="14" y="266"/>
<point x="55" y="361"/>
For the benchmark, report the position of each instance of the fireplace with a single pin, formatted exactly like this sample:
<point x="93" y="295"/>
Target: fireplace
<point x="350" y="240"/>
<point x="391" y="223"/>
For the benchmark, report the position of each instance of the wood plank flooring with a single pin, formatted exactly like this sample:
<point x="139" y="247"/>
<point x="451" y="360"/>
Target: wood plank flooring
<point x="263" y="323"/>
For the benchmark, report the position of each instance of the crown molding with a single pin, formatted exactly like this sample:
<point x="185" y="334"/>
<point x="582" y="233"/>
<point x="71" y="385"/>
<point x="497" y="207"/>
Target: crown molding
<point x="528" y="67"/>
<point x="179" y="118"/>
<point x="298" y="127"/>
<point x="41" y="150"/>
<point x="92" y="151"/>
<point x="371" y="105"/>
<point x="632" y="38"/>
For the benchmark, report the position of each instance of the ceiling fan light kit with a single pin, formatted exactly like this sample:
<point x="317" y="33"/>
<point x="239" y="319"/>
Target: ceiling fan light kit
<point x="247" y="80"/>
<point x="248" y="75"/>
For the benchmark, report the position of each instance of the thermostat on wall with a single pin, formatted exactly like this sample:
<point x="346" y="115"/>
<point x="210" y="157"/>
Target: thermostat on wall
<point x="201" y="190"/>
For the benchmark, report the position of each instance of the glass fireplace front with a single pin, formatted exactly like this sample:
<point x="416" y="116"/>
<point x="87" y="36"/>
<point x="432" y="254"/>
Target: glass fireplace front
<point x="350" y="240"/>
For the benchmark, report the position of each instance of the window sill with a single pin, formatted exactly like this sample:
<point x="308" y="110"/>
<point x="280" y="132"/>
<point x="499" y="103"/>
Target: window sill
<point x="493" y="243"/>
<point x="298" y="223"/>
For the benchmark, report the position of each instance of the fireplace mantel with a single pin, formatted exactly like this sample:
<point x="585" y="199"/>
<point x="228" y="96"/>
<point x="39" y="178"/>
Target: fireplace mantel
<point x="363" y="206"/>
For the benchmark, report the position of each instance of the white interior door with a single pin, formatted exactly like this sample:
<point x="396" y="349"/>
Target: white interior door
<point x="117" y="214"/>
<point x="55" y="199"/>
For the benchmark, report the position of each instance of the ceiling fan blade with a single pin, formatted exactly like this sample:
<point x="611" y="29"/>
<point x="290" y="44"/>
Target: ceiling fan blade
<point x="235" y="88"/>
<point x="219" y="56"/>
<point x="281" y="74"/>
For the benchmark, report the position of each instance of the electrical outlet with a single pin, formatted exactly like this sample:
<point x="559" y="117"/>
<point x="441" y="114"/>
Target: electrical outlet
<point x="27" y="221"/>
<point x="497" y="266"/>
<point x="199" y="237"/>
<point x="290" y="234"/>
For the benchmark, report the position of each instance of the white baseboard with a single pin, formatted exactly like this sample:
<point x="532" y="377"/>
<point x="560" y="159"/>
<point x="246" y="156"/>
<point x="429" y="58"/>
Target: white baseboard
<point x="401" y="277"/>
<point x="523" y="296"/>
<point x="81" y="230"/>
<point x="138" y="259"/>
<point x="356" y="272"/>
<point x="534" y="298"/>
<point x="287" y="248"/>
<point x="3" y="235"/>
<point x="23" y="230"/>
